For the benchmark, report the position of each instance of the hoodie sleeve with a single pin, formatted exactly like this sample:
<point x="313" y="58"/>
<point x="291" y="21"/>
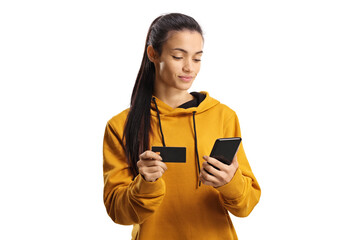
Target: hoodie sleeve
<point x="242" y="193"/>
<point x="127" y="201"/>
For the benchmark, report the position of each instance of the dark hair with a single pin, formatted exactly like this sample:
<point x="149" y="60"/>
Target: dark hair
<point x="137" y="127"/>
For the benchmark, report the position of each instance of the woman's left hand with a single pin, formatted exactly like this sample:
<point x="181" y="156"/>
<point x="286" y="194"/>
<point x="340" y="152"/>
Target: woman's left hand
<point x="219" y="177"/>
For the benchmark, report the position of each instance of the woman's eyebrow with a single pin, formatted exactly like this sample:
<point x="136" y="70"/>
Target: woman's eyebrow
<point x="183" y="50"/>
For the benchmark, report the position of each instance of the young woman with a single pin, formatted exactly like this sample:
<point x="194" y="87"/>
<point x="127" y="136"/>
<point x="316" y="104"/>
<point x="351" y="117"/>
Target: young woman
<point x="188" y="200"/>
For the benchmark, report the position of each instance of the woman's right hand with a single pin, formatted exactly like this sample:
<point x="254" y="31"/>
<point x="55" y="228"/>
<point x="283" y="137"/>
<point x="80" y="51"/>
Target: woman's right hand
<point x="151" y="166"/>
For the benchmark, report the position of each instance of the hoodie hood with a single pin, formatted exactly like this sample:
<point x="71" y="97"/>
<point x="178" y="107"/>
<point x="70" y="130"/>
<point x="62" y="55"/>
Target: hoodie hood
<point x="166" y="110"/>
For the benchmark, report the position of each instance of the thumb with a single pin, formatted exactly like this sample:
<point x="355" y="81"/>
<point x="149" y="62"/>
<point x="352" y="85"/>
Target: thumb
<point x="234" y="161"/>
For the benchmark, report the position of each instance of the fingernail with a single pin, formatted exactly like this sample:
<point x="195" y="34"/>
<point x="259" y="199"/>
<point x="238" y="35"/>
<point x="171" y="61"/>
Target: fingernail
<point x="205" y="157"/>
<point x="158" y="153"/>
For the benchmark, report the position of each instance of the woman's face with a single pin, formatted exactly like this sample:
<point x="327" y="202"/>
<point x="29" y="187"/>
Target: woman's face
<point x="179" y="62"/>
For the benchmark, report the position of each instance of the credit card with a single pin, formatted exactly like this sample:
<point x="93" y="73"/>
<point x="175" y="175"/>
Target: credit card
<point x="171" y="154"/>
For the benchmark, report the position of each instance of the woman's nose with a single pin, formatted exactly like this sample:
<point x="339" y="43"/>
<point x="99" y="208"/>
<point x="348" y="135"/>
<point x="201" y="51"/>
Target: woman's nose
<point x="188" y="65"/>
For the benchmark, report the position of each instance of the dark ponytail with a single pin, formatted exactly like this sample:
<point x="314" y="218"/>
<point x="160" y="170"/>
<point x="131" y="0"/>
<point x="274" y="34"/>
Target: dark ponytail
<point x="137" y="127"/>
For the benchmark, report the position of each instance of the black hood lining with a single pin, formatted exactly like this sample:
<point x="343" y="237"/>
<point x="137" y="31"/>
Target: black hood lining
<point x="198" y="98"/>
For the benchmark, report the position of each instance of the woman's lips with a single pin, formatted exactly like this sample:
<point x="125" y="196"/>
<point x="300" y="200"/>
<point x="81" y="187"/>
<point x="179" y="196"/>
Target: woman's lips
<point x="186" y="78"/>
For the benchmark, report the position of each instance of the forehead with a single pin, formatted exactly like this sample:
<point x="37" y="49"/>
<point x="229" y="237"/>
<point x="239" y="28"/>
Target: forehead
<point x="191" y="41"/>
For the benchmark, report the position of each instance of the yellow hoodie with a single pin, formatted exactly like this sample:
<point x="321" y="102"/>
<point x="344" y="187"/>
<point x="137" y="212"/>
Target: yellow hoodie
<point x="175" y="206"/>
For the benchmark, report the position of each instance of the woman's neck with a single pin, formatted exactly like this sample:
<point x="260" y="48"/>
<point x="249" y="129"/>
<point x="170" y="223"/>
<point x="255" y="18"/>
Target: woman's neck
<point x="173" y="98"/>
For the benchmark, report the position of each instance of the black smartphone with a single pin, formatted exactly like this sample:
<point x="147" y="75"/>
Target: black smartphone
<point x="224" y="149"/>
<point x="171" y="154"/>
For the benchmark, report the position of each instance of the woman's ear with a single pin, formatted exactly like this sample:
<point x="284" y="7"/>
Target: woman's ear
<point x="152" y="55"/>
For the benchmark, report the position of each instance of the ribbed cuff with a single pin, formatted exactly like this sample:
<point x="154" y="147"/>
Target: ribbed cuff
<point x="235" y="188"/>
<point x="141" y="186"/>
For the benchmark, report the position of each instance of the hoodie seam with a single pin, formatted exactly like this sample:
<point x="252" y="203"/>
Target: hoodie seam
<point x="228" y="120"/>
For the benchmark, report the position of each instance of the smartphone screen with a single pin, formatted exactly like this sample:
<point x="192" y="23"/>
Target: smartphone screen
<point x="225" y="149"/>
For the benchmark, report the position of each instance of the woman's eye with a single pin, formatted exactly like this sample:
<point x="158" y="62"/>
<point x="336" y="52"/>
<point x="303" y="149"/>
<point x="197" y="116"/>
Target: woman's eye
<point x="197" y="60"/>
<point x="177" y="57"/>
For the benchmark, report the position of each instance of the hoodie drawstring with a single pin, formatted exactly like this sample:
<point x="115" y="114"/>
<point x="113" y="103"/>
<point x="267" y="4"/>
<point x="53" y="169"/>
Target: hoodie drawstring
<point x="158" y="115"/>
<point x="196" y="149"/>
<point x="196" y="146"/>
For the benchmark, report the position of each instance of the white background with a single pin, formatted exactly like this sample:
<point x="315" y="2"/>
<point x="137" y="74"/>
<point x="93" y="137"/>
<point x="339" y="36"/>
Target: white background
<point x="290" y="69"/>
